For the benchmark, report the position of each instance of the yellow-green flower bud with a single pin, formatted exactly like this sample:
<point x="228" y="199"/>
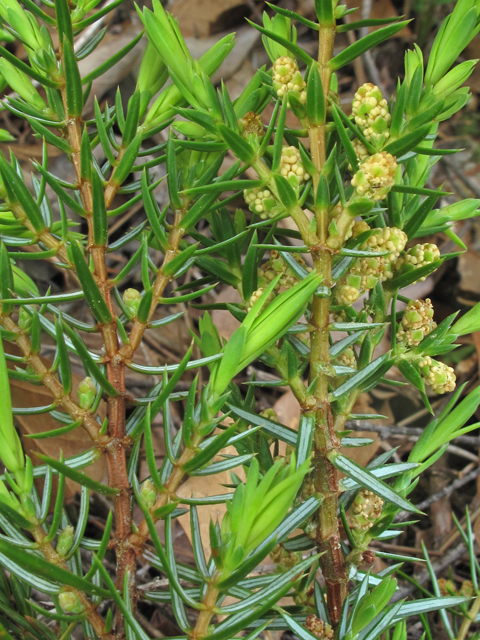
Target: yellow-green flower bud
<point x="388" y="239"/>
<point x="418" y="256"/>
<point x="370" y="111"/>
<point x="148" y="494"/>
<point x="417" y="322"/>
<point x="347" y="358"/>
<point x="256" y="295"/>
<point x="360" y="151"/>
<point x="261" y="202"/>
<point x="437" y="375"/>
<point x="367" y="508"/>
<point x="22" y="84"/>
<point x="65" y="541"/>
<point x="308" y="486"/>
<point x="348" y="294"/>
<point x="376" y="176"/>
<point x="375" y="268"/>
<point x="467" y="589"/>
<point x="360" y="227"/>
<point x="318" y="628"/>
<point x="131" y="300"/>
<point x="275" y="266"/>
<point x="447" y="587"/>
<point x="284" y="559"/>
<point x="270" y="414"/>
<point x="252" y="125"/>
<point x="287" y="77"/>
<point x="70" y="602"/>
<point x="86" y="393"/>
<point x="369" y="270"/>
<point x="24" y="320"/>
<point x="291" y="166"/>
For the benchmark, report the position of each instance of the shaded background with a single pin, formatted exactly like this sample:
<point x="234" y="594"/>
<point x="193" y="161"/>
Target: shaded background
<point x="453" y="482"/>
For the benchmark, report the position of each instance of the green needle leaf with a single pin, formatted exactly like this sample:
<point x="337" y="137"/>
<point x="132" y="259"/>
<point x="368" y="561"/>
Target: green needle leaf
<point x="315" y="96"/>
<point x="93" y="296"/>
<point x="64" y="22"/>
<point x="40" y="567"/>
<point x="21" y="194"/>
<point x="35" y="75"/>
<point x="76" y="476"/>
<point x="65" y="368"/>
<point x="73" y="83"/>
<point x="238" y="145"/>
<point x="369" y="481"/>
<point x="100" y="220"/>
<point x="88" y="362"/>
<point x="290" y="46"/>
<point x="365" y="44"/>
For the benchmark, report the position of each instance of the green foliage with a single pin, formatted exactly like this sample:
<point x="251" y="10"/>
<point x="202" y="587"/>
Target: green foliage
<point x="360" y="206"/>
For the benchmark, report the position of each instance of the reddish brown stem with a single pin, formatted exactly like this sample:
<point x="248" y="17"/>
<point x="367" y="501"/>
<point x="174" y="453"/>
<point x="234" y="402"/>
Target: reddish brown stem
<point x="325" y="439"/>
<point x="118" y="443"/>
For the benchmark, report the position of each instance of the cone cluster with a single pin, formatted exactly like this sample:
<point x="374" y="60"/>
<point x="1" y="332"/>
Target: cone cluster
<point x="131" y="300"/>
<point x="287" y="77"/>
<point x="86" y="393"/>
<point x="418" y="256"/>
<point x="275" y="266"/>
<point x="417" y="322"/>
<point x="291" y="166"/>
<point x="284" y="559"/>
<point x="256" y="295"/>
<point x="347" y="358"/>
<point x="261" y="202"/>
<point x="70" y="602"/>
<point x="437" y="375"/>
<point x="148" y="493"/>
<point x="366" y="272"/>
<point x="367" y="508"/>
<point x="321" y="630"/>
<point x="370" y="111"/>
<point x="376" y="176"/>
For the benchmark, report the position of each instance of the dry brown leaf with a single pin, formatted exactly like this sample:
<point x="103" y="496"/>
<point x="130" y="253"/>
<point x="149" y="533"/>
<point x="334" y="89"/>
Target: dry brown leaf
<point x="31" y="151"/>
<point x="201" y="18"/>
<point x="468" y="268"/>
<point x="288" y="410"/>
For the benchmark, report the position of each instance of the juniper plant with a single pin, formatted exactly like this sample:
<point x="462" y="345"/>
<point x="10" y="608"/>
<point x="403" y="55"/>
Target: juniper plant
<point x="355" y="189"/>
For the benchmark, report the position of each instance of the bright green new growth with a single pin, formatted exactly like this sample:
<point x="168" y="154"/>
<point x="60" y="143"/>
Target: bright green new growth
<point x="256" y="510"/>
<point x="12" y="452"/>
<point x="362" y="219"/>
